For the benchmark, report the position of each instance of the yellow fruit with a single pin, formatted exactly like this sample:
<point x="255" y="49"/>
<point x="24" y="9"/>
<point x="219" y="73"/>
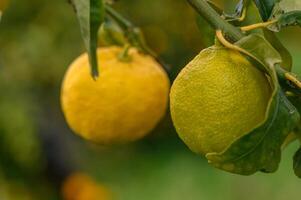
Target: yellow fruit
<point x="218" y="97"/>
<point x="81" y="187"/>
<point x="123" y="104"/>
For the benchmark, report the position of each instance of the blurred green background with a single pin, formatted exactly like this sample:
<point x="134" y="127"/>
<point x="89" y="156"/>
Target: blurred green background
<point x="38" y="40"/>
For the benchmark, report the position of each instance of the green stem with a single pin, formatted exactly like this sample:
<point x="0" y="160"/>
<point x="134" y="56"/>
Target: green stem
<point x="215" y="20"/>
<point x="134" y="35"/>
<point x="124" y="23"/>
<point x="124" y="55"/>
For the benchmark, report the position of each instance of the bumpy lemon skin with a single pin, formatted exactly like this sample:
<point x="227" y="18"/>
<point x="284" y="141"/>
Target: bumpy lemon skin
<point x="218" y="97"/>
<point x="124" y="104"/>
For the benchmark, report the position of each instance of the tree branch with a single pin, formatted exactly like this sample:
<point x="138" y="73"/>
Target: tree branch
<point x="215" y="20"/>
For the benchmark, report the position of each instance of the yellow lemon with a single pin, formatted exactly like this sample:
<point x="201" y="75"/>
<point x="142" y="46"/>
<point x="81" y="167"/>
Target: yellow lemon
<point x="124" y="104"/>
<point x="218" y="97"/>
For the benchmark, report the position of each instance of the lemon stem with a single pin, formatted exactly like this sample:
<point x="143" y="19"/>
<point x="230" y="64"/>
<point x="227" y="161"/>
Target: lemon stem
<point x="134" y="35"/>
<point x="124" y="55"/>
<point x="293" y="79"/>
<point x="289" y="77"/>
<point x="258" y="25"/>
<point x="226" y="43"/>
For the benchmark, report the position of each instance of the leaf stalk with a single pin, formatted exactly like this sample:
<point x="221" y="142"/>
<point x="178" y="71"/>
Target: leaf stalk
<point x="257" y="26"/>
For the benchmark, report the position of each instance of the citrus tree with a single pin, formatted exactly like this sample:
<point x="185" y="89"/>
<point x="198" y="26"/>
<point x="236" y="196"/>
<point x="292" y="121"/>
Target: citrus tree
<point x="237" y="103"/>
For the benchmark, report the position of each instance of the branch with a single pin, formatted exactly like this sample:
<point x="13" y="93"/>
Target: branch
<point x="124" y="23"/>
<point x="215" y="20"/>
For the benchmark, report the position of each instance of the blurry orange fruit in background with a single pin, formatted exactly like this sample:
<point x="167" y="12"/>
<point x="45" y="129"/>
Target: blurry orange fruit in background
<point x="79" y="186"/>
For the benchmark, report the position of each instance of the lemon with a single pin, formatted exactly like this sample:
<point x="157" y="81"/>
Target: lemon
<point x="123" y="104"/>
<point x="218" y="97"/>
<point x="79" y="186"/>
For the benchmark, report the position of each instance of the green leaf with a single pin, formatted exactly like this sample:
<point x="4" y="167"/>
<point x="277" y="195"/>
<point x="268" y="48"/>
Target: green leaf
<point x="292" y="18"/>
<point x="288" y="5"/>
<point x="297" y="163"/>
<point x="265" y="8"/>
<point x="260" y="150"/>
<point x="90" y="14"/>
<point x="288" y="13"/>
<point x="296" y="101"/>
<point x="287" y="59"/>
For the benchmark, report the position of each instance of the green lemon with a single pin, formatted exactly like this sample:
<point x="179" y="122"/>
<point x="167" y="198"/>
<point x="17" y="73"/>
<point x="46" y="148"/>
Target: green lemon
<point x="218" y="97"/>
